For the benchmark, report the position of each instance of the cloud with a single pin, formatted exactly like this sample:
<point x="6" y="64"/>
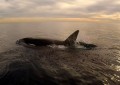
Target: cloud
<point x="58" y="8"/>
<point x="106" y="6"/>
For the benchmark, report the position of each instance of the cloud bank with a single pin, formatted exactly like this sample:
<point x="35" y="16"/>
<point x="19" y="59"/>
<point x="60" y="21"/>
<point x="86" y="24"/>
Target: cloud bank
<point x="61" y="8"/>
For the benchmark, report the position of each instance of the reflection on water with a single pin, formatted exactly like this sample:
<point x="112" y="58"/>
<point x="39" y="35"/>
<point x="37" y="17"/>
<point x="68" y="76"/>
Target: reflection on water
<point x="60" y="65"/>
<point x="117" y="67"/>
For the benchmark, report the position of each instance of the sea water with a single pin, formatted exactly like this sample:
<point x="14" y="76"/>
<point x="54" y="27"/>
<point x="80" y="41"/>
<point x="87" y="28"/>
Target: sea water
<point x="71" y="66"/>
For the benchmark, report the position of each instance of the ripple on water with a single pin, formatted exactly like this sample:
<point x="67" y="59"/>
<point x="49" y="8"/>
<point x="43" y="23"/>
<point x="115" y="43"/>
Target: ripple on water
<point x="99" y="66"/>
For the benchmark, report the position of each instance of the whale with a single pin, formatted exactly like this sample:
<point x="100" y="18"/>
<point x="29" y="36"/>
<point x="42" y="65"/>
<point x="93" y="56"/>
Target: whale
<point x="87" y="46"/>
<point x="70" y="41"/>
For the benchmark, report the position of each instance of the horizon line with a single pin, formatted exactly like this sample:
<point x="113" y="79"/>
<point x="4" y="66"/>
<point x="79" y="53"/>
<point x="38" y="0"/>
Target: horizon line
<point x="43" y="19"/>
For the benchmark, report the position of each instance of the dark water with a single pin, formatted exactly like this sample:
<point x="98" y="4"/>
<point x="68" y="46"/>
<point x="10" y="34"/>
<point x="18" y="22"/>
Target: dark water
<point x="59" y="66"/>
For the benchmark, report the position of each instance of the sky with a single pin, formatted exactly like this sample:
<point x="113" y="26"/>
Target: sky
<point x="100" y="9"/>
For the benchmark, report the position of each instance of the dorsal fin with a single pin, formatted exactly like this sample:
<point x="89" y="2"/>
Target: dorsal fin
<point x="72" y="38"/>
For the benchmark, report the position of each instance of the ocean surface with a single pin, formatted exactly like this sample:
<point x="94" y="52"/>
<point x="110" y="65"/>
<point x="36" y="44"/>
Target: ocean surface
<point x="60" y="66"/>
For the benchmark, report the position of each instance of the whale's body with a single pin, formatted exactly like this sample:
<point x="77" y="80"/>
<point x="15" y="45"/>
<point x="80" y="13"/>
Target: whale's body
<point x="88" y="46"/>
<point x="70" y="41"/>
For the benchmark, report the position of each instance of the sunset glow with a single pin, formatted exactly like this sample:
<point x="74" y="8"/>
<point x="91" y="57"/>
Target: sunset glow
<point x="37" y="19"/>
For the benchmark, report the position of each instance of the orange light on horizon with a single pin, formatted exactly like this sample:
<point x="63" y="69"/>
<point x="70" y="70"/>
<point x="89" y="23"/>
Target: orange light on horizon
<point x="100" y="18"/>
<point x="38" y="19"/>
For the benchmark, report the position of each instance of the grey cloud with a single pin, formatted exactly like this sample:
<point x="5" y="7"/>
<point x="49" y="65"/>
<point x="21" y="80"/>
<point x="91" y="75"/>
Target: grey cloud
<point x="47" y="8"/>
<point x="107" y="6"/>
<point x="18" y="10"/>
<point x="45" y="2"/>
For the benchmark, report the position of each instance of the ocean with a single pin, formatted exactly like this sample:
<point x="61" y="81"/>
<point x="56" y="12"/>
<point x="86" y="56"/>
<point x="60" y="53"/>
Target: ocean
<point x="20" y="65"/>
